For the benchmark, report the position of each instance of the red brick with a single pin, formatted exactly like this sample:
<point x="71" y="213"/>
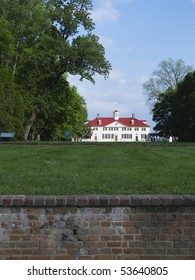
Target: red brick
<point x="162" y="244"/>
<point x="105" y="237"/>
<point x="117" y="244"/>
<point x="10" y="252"/>
<point x="156" y="227"/>
<point x="117" y="251"/>
<point x="128" y="237"/>
<point x="50" y="201"/>
<point x="128" y="224"/>
<point x="164" y="237"/>
<point x="27" y="251"/>
<point x="71" y="252"/>
<point x="17" y="258"/>
<point x="27" y="244"/>
<point x="98" y="244"/>
<point x="93" y="238"/>
<point x="116" y="237"/>
<point x="20" y="237"/>
<point x="7" y="201"/>
<point x="105" y="224"/>
<point x="82" y="200"/>
<point x="128" y="257"/>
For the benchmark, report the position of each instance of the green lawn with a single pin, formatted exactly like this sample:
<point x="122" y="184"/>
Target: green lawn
<point x="81" y="168"/>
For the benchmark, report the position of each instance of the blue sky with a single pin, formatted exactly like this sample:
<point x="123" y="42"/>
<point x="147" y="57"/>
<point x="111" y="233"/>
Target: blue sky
<point x="137" y="36"/>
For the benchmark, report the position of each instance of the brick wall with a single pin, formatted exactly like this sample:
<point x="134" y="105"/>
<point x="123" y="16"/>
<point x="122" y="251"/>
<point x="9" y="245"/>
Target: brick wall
<point x="97" y="227"/>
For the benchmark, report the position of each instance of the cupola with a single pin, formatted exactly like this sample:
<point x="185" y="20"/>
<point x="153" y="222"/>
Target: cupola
<point x="116" y="114"/>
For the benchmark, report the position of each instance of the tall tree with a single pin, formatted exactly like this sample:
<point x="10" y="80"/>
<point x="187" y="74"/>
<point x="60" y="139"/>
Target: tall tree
<point x="184" y="108"/>
<point x="11" y="103"/>
<point x="174" y="112"/>
<point x="48" y="42"/>
<point x="163" y="114"/>
<point x="78" y="52"/>
<point x="66" y="110"/>
<point x="25" y="21"/>
<point x="167" y="75"/>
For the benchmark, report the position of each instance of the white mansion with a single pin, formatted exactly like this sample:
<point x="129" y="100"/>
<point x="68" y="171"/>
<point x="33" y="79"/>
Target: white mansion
<point x="119" y="129"/>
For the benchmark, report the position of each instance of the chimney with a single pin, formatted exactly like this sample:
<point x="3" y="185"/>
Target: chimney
<point x="132" y="119"/>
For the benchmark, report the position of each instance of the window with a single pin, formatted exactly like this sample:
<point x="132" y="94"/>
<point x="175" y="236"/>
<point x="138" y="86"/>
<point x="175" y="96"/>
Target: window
<point x="136" y="128"/>
<point x="107" y="136"/>
<point x="143" y="129"/>
<point x="126" y="136"/>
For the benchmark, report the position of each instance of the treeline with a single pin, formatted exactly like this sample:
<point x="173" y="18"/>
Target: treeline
<point x="171" y="94"/>
<point x="174" y="112"/>
<point x="40" y="44"/>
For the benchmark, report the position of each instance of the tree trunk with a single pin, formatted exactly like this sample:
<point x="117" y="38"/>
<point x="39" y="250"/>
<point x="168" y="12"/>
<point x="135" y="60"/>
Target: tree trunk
<point x="29" y="125"/>
<point x="16" y="58"/>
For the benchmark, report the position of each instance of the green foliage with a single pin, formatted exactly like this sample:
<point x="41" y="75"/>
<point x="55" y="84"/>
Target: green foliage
<point x="174" y="112"/>
<point x="11" y="103"/>
<point x="11" y="110"/>
<point x="163" y="114"/>
<point x="184" y="108"/>
<point x="88" y="51"/>
<point x="40" y="42"/>
<point x="64" y="109"/>
<point x="6" y="42"/>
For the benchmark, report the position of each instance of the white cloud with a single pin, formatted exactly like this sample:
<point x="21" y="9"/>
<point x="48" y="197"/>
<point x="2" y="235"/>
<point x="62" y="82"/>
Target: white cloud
<point x="105" y="12"/>
<point x="102" y="96"/>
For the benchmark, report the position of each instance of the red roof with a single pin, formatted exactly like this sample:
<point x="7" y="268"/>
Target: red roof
<point x="124" y="121"/>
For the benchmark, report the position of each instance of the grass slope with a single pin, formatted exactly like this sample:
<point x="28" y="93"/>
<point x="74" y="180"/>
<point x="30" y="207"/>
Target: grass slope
<point x="112" y="168"/>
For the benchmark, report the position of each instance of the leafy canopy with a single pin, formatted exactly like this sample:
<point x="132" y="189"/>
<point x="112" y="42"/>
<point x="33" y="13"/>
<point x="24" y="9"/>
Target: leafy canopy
<point x="41" y="41"/>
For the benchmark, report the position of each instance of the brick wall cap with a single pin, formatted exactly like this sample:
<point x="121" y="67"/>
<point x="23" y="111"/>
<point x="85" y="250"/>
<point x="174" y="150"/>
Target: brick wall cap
<point x="96" y="200"/>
